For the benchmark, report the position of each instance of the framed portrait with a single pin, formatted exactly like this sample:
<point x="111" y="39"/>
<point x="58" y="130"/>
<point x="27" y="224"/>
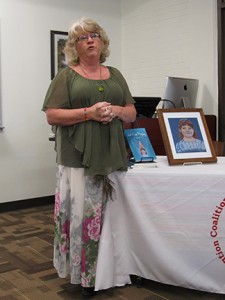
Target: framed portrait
<point x="186" y="136"/>
<point x="58" y="41"/>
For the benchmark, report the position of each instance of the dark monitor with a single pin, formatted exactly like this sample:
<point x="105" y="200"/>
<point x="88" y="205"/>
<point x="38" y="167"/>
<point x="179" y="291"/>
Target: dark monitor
<point x="146" y="106"/>
<point x="180" y="92"/>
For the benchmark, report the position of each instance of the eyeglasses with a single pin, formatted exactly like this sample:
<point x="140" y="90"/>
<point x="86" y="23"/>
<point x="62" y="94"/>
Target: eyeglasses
<point x="85" y="37"/>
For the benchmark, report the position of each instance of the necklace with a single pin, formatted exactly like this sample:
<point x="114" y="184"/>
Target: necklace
<point x="100" y="86"/>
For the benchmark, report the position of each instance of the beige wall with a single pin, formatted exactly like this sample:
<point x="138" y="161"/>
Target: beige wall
<point x="27" y="158"/>
<point x="159" y="38"/>
<point x="170" y="38"/>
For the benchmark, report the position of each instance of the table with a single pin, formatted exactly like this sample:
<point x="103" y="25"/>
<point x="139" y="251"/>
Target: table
<point x="167" y="224"/>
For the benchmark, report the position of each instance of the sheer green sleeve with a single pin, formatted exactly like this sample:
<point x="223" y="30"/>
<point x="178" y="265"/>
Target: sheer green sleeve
<point x="122" y="82"/>
<point x="58" y="95"/>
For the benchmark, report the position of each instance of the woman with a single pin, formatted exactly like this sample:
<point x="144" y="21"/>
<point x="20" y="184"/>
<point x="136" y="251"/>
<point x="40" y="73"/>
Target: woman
<point x="87" y="104"/>
<point x="188" y="138"/>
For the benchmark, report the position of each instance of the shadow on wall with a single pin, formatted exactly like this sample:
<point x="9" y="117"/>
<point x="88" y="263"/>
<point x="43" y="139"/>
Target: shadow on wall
<point x="207" y="101"/>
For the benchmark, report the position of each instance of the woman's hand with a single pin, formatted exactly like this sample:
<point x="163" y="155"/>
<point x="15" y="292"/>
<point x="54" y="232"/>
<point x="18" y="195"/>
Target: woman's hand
<point x="101" y="112"/>
<point x="105" y="112"/>
<point x="125" y="113"/>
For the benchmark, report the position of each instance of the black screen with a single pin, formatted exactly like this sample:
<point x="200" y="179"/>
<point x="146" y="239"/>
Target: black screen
<point x="146" y="106"/>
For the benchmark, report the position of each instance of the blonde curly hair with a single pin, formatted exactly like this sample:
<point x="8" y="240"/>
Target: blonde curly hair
<point x="84" y="25"/>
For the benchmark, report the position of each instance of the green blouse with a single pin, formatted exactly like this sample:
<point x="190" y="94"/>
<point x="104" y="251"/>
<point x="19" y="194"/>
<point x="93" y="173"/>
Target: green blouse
<point x="99" y="148"/>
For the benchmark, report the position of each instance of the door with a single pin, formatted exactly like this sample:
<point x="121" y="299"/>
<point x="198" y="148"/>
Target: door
<point x="221" y="69"/>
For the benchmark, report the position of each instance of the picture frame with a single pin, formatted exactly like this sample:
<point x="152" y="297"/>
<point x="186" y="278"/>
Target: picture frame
<point x="57" y="43"/>
<point x="186" y="136"/>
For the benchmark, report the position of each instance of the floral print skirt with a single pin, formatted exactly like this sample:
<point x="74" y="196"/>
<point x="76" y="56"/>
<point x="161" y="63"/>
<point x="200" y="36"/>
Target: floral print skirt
<point x="78" y="218"/>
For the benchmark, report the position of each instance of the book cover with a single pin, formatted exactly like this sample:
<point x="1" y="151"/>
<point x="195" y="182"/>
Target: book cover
<point x="140" y="144"/>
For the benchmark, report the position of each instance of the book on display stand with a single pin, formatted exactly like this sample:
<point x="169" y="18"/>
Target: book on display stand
<point x="140" y="146"/>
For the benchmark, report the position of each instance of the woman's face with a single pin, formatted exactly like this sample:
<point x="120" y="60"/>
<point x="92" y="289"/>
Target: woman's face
<point x="187" y="131"/>
<point x="89" y="44"/>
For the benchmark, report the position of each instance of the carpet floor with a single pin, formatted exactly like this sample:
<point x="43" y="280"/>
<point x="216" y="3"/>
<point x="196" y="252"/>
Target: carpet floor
<point x="27" y="272"/>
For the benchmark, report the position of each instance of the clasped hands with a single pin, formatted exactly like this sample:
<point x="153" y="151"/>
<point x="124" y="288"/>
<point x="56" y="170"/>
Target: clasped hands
<point x="103" y="112"/>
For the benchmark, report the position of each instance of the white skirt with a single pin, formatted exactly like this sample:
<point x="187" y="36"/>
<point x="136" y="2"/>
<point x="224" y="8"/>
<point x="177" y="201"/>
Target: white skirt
<point x="78" y="217"/>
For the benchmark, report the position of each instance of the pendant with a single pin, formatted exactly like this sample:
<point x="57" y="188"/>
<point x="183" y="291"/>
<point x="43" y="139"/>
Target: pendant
<point x="100" y="88"/>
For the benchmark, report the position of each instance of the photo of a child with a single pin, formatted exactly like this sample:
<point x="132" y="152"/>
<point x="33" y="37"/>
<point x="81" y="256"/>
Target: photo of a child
<point x="188" y="138"/>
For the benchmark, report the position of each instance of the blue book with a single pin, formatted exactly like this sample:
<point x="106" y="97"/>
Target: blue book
<point x="140" y="145"/>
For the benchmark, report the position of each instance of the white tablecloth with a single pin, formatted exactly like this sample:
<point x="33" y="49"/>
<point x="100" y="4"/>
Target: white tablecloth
<point x="166" y="224"/>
